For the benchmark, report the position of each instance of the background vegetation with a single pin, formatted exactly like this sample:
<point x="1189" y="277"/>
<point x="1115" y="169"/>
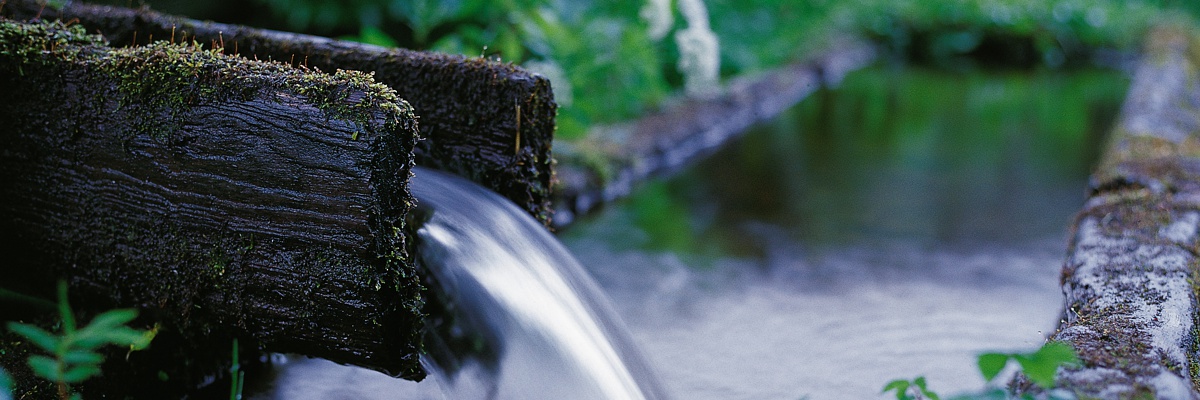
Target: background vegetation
<point x="613" y="60"/>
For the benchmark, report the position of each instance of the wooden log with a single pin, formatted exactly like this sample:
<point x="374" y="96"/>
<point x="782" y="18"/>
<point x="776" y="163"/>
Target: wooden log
<point x="1134" y="261"/>
<point x="487" y="121"/>
<point x="223" y="197"/>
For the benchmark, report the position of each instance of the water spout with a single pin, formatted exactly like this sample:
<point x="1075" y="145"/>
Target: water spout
<point x="537" y="322"/>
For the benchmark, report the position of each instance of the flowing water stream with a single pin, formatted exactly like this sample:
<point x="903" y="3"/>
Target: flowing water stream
<point x="892" y="228"/>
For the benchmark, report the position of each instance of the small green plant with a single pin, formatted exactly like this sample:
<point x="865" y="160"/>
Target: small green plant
<point x="73" y="352"/>
<point x="1040" y="367"/>
<point x="911" y="390"/>
<point x="238" y="377"/>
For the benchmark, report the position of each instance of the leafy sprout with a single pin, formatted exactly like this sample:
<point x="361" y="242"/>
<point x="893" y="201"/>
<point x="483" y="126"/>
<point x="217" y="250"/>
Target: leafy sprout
<point x="915" y="389"/>
<point x="73" y="354"/>
<point x="1040" y="367"/>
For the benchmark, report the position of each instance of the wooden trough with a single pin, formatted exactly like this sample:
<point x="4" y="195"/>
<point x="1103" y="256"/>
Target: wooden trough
<point x="226" y="196"/>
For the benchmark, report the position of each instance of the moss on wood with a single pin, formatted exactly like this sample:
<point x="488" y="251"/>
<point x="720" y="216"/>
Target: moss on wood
<point x="487" y="121"/>
<point x="225" y="198"/>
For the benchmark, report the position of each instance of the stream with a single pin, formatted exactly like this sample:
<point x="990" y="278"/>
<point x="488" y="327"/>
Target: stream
<point x="892" y="228"/>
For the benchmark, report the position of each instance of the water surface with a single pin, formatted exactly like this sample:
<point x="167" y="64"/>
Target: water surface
<point x="892" y="228"/>
<point x="895" y="227"/>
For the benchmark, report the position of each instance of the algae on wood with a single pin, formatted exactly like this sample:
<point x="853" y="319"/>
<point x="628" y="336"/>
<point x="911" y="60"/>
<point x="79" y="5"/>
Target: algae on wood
<point x="224" y="198"/>
<point x="487" y="121"/>
<point x="1131" y="275"/>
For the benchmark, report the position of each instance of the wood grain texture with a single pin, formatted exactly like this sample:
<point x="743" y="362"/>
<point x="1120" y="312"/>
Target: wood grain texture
<point x="470" y="108"/>
<point x="222" y="197"/>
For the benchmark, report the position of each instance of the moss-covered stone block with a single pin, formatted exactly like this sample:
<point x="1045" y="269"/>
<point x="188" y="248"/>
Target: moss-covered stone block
<point x="1130" y="276"/>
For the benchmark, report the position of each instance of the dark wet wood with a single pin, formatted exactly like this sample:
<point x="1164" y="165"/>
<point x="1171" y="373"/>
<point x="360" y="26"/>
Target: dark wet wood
<point x="267" y="205"/>
<point x="487" y="121"/>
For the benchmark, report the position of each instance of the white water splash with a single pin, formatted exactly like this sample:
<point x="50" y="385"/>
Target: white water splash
<point x="554" y="332"/>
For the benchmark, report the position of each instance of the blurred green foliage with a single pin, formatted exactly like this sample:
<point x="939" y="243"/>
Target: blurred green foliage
<point x="1040" y="367"/>
<point x="72" y="355"/>
<point x="606" y="66"/>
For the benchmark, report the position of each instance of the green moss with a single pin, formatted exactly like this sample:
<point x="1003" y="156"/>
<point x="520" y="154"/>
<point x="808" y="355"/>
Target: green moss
<point x="332" y="94"/>
<point x="1193" y="354"/>
<point x="1135" y="147"/>
<point x="43" y="42"/>
<point x="159" y="83"/>
<point x="158" y="88"/>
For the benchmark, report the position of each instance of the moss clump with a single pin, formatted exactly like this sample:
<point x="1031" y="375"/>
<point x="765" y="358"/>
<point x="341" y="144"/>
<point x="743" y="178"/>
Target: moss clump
<point x="160" y="82"/>
<point x="352" y="96"/>
<point x="1149" y="162"/>
<point x="43" y="42"/>
<point x="143" y="105"/>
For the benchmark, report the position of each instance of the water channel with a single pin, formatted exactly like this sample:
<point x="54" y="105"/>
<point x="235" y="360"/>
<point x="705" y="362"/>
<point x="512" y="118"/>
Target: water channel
<point x="894" y="227"/>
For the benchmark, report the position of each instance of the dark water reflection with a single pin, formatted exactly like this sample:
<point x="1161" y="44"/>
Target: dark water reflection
<point x="912" y="154"/>
<point x="894" y="227"/>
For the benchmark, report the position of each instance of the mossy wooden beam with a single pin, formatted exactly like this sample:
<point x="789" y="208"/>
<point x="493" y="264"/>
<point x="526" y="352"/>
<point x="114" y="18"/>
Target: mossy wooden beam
<point x="1132" y="271"/>
<point x="487" y="121"/>
<point x="222" y="197"/>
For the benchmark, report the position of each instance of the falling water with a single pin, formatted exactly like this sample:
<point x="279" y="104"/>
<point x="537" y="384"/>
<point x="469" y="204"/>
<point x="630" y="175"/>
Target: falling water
<point x="512" y="315"/>
<point x="543" y="327"/>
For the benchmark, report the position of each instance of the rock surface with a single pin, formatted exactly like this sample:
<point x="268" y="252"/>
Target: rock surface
<point x="1130" y="278"/>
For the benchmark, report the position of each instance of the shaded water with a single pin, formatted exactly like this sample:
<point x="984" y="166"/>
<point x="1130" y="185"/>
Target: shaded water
<point x="893" y="228"/>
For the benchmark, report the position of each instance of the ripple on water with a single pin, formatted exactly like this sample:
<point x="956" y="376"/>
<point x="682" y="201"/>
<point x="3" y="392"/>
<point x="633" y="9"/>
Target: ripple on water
<point x="743" y="331"/>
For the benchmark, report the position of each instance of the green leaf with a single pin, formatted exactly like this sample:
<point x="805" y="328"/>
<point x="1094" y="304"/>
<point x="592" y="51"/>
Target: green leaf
<point x="920" y="382"/>
<point x="1059" y="353"/>
<point x="6" y="385"/>
<point x="89" y="338"/>
<point x="80" y="373"/>
<point x="113" y="318"/>
<point x="990" y="364"/>
<point x="901" y="388"/>
<point x="64" y="308"/>
<point x="45" y="367"/>
<point x="1042" y="366"/>
<point x="80" y="356"/>
<point x="7" y="295"/>
<point x="40" y="337"/>
<point x="144" y="342"/>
